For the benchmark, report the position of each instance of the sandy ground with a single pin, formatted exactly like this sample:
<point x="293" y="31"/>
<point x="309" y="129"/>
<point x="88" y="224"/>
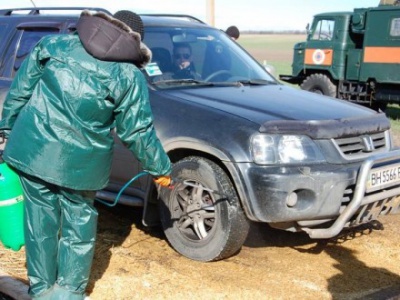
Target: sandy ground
<point x="132" y="262"/>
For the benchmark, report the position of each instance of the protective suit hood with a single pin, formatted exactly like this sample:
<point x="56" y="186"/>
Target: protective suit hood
<point x="109" y="39"/>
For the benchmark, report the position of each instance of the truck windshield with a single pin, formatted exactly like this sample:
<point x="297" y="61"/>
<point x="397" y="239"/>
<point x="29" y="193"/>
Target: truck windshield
<point x="189" y="56"/>
<point x="323" y="30"/>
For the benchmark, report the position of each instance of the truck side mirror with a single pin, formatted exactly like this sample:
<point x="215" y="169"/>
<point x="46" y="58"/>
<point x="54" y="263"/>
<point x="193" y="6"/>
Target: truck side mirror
<point x="358" y="22"/>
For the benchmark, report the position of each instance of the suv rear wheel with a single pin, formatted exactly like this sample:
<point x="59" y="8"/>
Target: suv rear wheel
<point x="201" y="216"/>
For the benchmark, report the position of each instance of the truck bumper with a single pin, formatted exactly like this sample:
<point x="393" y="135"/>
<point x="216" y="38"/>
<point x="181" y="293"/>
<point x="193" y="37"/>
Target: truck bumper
<point x="290" y="79"/>
<point x="321" y="199"/>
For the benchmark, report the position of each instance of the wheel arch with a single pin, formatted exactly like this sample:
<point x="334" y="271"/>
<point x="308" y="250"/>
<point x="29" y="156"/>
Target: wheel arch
<point x="179" y="150"/>
<point x="308" y="72"/>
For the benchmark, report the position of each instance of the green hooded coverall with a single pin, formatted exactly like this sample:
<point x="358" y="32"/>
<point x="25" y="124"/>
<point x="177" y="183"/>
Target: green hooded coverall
<point x="58" y="117"/>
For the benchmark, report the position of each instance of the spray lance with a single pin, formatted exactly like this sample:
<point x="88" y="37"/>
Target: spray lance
<point x="11" y="206"/>
<point x="149" y="218"/>
<point x="136" y="177"/>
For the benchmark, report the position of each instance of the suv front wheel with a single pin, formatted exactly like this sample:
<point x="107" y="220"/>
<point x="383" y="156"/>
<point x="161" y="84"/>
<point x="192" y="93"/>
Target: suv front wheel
<point x="201" y="216"/>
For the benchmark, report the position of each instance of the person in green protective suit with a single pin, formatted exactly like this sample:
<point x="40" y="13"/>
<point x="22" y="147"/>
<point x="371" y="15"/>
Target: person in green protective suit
<point x="58" y="116"/>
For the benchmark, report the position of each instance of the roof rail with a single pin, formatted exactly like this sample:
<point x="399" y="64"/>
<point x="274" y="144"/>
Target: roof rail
<point x="189" y="17"/>
<point x="36" y="10"/>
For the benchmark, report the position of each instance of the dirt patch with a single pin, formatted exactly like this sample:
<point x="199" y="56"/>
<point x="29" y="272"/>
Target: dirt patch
<point x="272" y="264"/>
<point x="134" y="263"/>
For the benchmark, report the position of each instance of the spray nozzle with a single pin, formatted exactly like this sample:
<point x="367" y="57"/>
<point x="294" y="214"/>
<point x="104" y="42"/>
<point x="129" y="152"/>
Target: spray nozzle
<point x="176" y="181"/>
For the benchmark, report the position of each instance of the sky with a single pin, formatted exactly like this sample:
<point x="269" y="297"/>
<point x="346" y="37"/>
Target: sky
<point x="245" y="14"/>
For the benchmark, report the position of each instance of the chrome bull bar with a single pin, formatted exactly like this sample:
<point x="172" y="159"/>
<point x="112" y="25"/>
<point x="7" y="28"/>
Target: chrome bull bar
<point x="359" y="197"/>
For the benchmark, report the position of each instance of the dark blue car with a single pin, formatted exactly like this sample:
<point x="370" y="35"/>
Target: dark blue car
<point x="244" y="147"/>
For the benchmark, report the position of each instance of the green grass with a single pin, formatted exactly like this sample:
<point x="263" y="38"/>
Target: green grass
<point x="277" y="51"/>
<point x="393" y="112"/>
<point x="281" y="67"/>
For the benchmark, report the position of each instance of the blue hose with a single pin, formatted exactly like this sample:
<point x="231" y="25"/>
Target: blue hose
<point x="122" y="190"/>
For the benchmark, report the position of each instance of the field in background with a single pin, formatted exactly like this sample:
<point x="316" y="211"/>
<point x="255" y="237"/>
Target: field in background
<point x="274" y="49"/>
<point x="277" y="50"/>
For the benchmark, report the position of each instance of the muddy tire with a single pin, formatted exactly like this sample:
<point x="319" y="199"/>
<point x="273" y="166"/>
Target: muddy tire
<point x="320" y="84"/>
<point x="201" y="216"/>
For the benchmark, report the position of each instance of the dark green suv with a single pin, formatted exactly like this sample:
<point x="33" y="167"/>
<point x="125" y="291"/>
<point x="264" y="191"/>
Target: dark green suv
<point x="244" y="147"/>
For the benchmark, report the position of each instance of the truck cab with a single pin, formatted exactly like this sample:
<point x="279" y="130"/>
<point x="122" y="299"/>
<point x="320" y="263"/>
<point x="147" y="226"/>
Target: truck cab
<point x="351" y="56"/>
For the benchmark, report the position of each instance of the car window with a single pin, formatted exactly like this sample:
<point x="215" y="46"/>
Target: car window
<point x="19" y="47"/>
<point x="214" y="58"/>
<point x="28" y="40"/>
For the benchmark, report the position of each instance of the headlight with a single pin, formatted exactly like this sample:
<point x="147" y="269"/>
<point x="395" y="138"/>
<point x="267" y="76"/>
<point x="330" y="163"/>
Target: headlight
<point x="284" y="149"/>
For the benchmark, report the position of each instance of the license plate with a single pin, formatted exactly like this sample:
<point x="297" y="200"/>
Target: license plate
<point x="379" y="178"/>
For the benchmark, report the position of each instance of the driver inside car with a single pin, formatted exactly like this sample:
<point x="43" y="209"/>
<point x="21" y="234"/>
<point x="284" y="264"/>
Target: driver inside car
<point x="183" y="62"/>
<point x="182" y="65"/>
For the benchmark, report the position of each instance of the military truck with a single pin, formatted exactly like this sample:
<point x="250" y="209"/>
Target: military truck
<point x="352" y="55"/>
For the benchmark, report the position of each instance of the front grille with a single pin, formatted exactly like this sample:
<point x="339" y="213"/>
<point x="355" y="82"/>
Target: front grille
<point x="369" y="210"/>
<point x="347" y="196"/>
<point x="362" y="146"/>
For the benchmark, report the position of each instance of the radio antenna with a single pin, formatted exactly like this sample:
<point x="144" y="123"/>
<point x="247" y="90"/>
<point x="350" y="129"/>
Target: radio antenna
<point x="33" y="3"/>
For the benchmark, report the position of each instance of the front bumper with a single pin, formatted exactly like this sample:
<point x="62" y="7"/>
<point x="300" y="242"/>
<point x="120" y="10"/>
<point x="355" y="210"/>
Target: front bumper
<point x="365" y="207"/>
<point x="318" y="199"/>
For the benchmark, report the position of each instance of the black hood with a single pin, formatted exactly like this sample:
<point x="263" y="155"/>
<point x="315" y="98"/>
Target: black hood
<point x="109" y="39"/>
<point x="282" y="109"/>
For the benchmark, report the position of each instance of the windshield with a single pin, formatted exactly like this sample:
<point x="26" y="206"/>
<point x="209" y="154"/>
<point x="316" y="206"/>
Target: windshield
<point x="199" y="56"/>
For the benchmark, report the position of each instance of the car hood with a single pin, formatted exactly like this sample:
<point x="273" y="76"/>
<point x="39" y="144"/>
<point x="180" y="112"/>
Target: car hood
<point x="282" y="109"/>
<point x="272" y="102"/>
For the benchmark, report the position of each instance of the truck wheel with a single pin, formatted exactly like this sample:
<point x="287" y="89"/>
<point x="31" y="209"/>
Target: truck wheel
<point x="320" y="84"/>
<point x="201" y="215"/>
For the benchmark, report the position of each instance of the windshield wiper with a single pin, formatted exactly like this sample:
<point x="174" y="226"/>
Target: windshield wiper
<point x="256" y="82"/>
<point x="219" y="83"/>
<point x="183" y="81"/>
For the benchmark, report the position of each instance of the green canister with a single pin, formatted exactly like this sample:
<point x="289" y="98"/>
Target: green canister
<point x="11" y="209"/>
